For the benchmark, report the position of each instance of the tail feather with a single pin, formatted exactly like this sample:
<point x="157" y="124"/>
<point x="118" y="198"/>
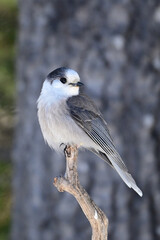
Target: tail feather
<point x="128" y="179"/>
<point x="123" y="172"/>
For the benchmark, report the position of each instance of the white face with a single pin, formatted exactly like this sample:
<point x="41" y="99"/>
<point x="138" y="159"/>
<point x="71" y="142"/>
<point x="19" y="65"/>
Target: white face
<point x="62" y="87"/>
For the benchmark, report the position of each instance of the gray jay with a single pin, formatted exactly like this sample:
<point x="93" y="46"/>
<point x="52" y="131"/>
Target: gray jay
<point x="66" y="115"/>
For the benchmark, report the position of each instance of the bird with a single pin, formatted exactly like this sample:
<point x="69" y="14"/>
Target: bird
<point x="67" y="115"/>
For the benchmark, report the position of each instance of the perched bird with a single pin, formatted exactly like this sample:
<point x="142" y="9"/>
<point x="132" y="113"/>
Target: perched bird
<point x="66" y="115"/>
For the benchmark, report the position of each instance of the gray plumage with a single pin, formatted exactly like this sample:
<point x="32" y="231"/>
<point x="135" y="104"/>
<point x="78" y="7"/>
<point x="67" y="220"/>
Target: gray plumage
<point x="91" y="121"/>
<point x="75" y="119"/>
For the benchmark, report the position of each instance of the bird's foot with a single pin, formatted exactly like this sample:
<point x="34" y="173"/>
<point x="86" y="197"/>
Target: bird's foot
<point x="67" y="151"/>
<point x="65" y="147"/>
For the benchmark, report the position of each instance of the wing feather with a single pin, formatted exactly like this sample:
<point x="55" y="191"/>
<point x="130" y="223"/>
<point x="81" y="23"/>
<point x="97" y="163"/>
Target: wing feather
<point x="87" y="116"/>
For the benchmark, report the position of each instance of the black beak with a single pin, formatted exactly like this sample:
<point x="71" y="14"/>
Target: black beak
<point x="78" y="84"/>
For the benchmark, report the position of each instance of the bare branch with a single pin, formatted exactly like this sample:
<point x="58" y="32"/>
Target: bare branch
<point x="70" y="183"/>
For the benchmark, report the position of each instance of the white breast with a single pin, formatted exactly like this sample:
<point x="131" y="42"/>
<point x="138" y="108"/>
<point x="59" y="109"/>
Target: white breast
<point x="57" y="125"/>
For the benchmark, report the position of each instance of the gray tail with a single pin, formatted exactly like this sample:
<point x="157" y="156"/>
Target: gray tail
<point x="121" y="169"/>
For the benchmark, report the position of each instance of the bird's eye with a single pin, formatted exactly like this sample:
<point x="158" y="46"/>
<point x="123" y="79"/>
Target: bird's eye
<point x="63" y="80"/>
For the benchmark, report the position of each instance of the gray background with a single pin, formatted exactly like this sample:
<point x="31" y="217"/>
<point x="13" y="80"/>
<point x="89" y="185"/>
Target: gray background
<point x="115" y="47"/>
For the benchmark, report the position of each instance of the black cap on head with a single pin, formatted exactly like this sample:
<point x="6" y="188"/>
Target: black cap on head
<point x="59" y="72"/>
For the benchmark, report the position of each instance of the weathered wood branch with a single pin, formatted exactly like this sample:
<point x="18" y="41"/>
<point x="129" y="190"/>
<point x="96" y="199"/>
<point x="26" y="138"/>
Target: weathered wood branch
<point x="70" y="183"/>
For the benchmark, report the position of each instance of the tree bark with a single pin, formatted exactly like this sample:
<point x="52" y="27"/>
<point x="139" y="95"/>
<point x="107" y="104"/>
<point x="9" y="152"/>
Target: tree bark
<point x="114" y="46"/>
<point x="70" y="183"/>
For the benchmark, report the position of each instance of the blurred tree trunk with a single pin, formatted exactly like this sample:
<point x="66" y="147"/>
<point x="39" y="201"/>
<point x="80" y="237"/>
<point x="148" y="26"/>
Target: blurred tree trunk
<point x="115" y="47"/>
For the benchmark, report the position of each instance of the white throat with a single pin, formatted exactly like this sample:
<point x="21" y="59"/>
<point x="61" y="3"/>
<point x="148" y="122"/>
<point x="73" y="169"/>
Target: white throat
<point x="55" y="93"/>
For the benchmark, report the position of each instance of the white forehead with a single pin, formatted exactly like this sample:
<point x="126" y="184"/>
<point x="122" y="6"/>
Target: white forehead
<point x="72" y="75"/>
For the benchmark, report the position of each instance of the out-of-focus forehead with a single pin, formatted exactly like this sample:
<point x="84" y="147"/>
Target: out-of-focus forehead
<point x="72" y="75"/>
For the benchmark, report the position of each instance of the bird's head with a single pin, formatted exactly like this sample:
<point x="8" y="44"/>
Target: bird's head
<point x="62" y="82"/>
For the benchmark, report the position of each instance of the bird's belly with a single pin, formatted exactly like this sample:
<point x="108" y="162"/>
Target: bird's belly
<point x="58" y="127"/>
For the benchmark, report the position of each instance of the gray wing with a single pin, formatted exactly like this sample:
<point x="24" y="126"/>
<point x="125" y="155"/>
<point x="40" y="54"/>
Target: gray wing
<point x="88" y="117"/>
